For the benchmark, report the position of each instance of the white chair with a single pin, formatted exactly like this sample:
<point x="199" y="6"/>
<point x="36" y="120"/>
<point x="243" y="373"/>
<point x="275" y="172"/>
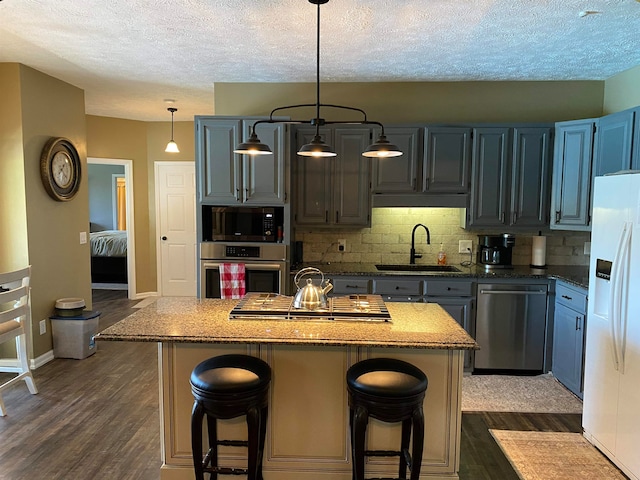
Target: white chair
<point x="15" y="324"/>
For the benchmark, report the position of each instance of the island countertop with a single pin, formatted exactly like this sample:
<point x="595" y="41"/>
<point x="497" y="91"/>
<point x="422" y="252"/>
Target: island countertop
<point x="191" y="320"/>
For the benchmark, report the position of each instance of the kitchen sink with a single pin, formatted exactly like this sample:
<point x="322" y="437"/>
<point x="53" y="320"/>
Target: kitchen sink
<point x="418" y="268"/>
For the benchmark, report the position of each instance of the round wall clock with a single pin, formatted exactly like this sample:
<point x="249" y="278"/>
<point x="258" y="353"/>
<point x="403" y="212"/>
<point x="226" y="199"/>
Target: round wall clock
<point x="60" y="169"/>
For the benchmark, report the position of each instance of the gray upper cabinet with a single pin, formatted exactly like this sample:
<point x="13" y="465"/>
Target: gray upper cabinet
<point x="489" y="177"/>
<point x="614" y="143"/>
<point x="226" y="178"/>
<point x="510" y="177"/>
<point x="571" y="188"/>
<point x="531" y="177"/>
<point x="447" y="155"/>
<point x="334" y="191"/>
<point x="399" y="174"/>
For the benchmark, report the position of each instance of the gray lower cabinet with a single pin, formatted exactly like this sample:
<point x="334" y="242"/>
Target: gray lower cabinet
<point x="569" y="336"/>
<point x="510" y="177"/>
<point x="334" y="191"/>
<point x="571" y="187"/>
<point x="400" y="289"/>
<point x="457" y="297"/>
<point x="227" y="178"/>
<point x="355" y="285"/>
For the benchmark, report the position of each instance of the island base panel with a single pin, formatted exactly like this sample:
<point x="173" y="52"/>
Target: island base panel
<point x="308" y="432"/>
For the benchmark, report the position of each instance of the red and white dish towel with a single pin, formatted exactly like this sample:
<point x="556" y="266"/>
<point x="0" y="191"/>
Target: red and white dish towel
<point x="232" y="280"/>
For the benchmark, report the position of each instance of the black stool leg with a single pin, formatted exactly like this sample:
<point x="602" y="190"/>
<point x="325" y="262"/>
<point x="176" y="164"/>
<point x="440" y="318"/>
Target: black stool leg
<point x="213" y="444"/>
<point x="358" y="433"/>
<point x="404" y="448"/>
<point x="263" y="435"/>
<point x="253" y="427"/>
<point x="418" y="442"/>
<point x="197" y="415"/>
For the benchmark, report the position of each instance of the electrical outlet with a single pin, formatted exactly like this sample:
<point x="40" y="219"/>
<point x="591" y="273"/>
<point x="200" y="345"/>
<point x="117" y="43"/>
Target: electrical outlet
<point x="464" y="246"/>
<point x="342" y="245"/>
<point x="43" y="327"/>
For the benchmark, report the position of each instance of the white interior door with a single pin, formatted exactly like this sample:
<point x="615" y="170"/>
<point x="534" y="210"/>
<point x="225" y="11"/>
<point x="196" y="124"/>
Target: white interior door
<point x="176" y="228"/>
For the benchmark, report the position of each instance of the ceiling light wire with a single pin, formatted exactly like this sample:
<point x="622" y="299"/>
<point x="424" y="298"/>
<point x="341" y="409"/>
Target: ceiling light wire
<point x="317" y="147"/>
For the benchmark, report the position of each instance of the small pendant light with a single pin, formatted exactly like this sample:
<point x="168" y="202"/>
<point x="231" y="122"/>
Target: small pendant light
<point x="172" y="147"/>
<point x="382" y="149"/>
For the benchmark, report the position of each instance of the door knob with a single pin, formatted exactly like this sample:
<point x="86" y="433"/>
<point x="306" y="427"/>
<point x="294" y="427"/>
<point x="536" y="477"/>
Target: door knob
<point x="164" y="238"/>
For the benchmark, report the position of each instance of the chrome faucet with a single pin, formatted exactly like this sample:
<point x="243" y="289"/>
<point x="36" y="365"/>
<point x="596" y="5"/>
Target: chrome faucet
<point x="414" y="255"/>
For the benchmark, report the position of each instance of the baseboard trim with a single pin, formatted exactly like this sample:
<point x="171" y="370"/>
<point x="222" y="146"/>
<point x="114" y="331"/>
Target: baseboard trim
<point x="141" y="296"/>
<point x="42" y="360"/>
<point x="12" y="365"/>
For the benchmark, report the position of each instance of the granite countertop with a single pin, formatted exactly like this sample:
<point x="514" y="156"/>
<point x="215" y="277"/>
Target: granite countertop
<point x="576" y="275"/>
<point x="190" y="320"/>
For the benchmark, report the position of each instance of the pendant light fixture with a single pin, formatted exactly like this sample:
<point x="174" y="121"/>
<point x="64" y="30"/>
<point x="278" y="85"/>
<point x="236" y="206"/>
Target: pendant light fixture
<point x="317" y="147"/>
<point x="172" y="147"/>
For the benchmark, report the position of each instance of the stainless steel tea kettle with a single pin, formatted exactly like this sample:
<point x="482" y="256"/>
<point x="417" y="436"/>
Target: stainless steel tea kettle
<point x="311" y="296"/>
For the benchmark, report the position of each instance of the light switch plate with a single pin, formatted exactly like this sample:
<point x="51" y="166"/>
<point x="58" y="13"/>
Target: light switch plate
<point x="43" y="327"/>
<point x="464" y="246"/>
<point x="83" y="238"/>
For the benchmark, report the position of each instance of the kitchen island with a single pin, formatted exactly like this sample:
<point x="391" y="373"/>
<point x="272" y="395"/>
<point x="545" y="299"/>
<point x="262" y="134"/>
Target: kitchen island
<point x="308" y="434"/>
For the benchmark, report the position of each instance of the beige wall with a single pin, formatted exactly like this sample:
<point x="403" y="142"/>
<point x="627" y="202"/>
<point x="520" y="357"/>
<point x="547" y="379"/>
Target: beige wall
<point x="49" y="232"/>
<point x="14" y="252"/>
<point x="622" y="91"/>
<point x="144" y="144"/>
<point x="422" y="102"/>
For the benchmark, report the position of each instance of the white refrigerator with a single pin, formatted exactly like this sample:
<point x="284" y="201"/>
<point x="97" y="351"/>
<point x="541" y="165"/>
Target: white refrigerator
<point x="611" y="416"/>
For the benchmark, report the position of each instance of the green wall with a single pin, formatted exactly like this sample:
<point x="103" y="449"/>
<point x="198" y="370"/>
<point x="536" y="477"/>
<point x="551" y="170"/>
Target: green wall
<point x="452" y="102"/>
<point x="622" y="91"/>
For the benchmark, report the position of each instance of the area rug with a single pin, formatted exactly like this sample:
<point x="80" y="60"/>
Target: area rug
<point x="526" y="394"/>
<point x="553" y="455"/>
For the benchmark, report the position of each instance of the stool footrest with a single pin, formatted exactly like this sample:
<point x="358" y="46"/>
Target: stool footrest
<point x="225" y="470"/>
<point x="233" y="443"/>
<point x="382" y="453"/>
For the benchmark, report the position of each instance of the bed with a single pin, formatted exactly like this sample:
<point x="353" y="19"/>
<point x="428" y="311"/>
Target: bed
<point x="109" y="256"/>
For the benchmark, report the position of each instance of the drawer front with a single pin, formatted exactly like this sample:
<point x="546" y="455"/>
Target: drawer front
<point x="572" y="297"/>
<point x="448" y="288"/>
<point x="400" y="288"/>
<point x="346" y="286"/>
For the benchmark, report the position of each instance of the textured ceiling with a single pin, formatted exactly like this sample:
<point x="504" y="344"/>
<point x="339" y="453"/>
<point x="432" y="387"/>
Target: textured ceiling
<point x="130" y="55"/>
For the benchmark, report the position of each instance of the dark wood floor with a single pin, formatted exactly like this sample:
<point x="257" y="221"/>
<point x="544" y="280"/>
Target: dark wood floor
<point x="97" y="418"/>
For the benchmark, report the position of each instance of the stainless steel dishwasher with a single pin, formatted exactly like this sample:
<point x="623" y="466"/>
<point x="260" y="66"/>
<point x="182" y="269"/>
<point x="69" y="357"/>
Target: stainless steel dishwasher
<point x="510" y="326"/>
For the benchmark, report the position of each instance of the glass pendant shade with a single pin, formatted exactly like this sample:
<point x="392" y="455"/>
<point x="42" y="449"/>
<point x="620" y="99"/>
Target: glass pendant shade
<point x="382" y="148"/>
<point x="172" y="147"/>
<point x="253" y="146"/>
<point x="316" y="148"/>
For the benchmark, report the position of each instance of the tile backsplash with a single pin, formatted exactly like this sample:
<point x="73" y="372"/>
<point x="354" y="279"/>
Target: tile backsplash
<point x="388" y="240"/>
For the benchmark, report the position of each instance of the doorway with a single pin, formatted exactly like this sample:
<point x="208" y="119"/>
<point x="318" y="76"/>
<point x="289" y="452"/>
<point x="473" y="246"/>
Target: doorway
<point x="125" y="258"/>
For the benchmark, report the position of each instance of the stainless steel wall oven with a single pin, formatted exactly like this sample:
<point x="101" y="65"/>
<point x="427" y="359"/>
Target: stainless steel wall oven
<point x="266" y="266"/>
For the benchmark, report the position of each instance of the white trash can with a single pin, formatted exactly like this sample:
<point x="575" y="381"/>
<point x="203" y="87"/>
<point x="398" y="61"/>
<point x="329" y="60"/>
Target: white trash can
<point x="73" y="337"/>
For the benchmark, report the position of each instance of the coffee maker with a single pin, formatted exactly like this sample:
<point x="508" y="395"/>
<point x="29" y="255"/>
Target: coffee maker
<point x="494" y="251"/>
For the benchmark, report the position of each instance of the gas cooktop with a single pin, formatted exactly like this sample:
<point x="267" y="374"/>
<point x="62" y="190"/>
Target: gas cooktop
<point x="363" y="308"/>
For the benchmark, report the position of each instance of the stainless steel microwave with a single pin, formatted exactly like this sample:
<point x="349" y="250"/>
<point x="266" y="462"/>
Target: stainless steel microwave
<point x="242" y="224"/>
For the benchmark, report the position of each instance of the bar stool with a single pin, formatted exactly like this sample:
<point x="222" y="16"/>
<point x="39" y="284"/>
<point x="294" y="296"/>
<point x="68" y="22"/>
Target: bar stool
<point x="388" y="390"/>
<point x="225" y="387"/>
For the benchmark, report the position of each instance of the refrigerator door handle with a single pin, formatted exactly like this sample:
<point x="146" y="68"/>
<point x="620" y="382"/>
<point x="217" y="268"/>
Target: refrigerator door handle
<point x="624" y="281"/>
<point x="615" y="297"/>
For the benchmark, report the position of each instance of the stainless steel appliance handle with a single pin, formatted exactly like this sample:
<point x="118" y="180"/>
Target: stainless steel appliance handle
<point x="513" y="292"/>
<point x="249" y="266"/>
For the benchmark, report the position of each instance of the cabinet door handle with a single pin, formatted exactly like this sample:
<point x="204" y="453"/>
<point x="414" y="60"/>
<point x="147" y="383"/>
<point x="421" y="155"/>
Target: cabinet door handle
<point x="514" y="216"/>
<point x="326" y="216"/>
<point x="336" y="216"/>
<point x="352" y="286"/>
<point x="237" y="194"/>
<point x="557" y="216"/>
<point x="502" y="217"/>
<point x="567" y="297"/>
<point x="577" y="323"/>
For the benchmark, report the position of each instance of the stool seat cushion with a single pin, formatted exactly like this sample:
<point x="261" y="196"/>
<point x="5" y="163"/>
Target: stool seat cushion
<point x="386" y="377"/>
<point x="230" y="373"/>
